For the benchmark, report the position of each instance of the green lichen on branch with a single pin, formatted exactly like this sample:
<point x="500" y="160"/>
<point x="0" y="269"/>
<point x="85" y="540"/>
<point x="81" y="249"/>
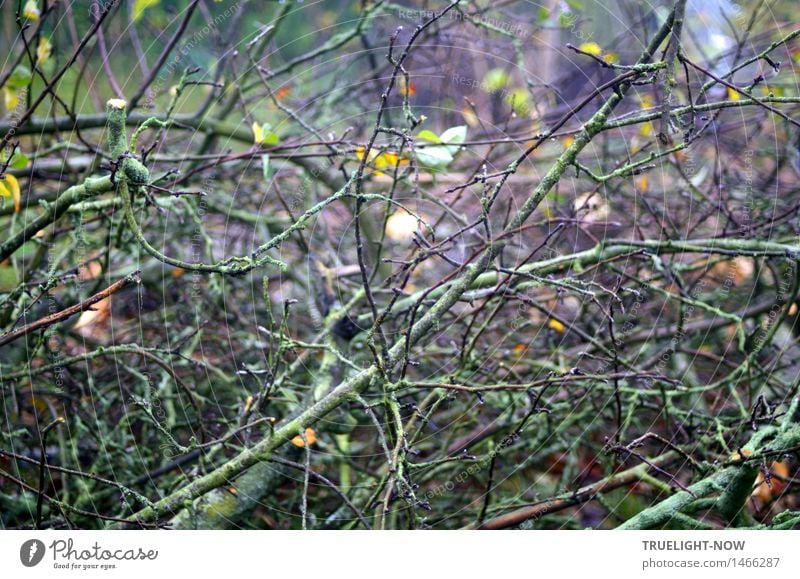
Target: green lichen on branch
<point x="732" y="484"/>
<point x="92" y="187"/>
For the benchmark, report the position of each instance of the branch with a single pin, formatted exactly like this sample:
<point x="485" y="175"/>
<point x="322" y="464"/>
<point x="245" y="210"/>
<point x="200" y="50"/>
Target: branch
<point x="728" y="482"/>
<point x="70" y="311"/>
<point x="467" y="275"/>
<point x="587" y="493"/>
<point x="92" y="187"/>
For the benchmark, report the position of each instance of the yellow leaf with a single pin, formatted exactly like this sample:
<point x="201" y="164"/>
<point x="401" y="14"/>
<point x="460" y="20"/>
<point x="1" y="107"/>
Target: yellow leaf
<point x="389" y="160"/>
<point x="592" y="48"/>
<point x="469" y="116"/>
<point x="406" y="88"/>
<point x="97" y="314"/>
<point x="401" y="226"/>
<point x="646" y="129"/>
<point x="642" y="183"/>
<point x="258" y="133"/>
<point x="263" y="134"/>
<point x="11" y="98"/>
<point x="311" y="438"/>
<point x="733" y="95"/>
<point x="556" y="326"/>
<point x="646" y="101"/>
<point x="612" y="57"/>
<point x="385" y="160"/>
<point x="31" y="10"/>
<point x="741" y="454"/>
<point x="44" y="50"/>
<point x="11" y="186"/>
<point x="140" y="6"/>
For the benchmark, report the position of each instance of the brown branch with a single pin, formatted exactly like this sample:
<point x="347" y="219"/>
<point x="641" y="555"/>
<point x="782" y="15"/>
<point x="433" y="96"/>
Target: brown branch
<point x="70" y="311"/>
<point x="583" y="495"/>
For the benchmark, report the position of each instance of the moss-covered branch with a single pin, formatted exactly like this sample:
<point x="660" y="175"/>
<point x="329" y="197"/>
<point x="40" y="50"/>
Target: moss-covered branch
<point x="92" y="187"/>
<point x="733" y="484"/>
<point x="355" y="385"/>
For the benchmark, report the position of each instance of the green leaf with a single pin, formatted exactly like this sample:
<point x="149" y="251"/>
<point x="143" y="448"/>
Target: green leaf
<point x="139" y="6"/>
<point x="427" y="135"/>
<point x="271" y="138"/>
<point x="455" y="137"/>
<point x="542" y="15"/>
<point x="495" y="80"/>
<point x="19" y="161"/>
<point x="520" y="101"/>
<point x="266" y="168"/>
<point x="439" y="157"/>
<point x="20" y="78"/>
<point x="436" y="157"/>
<point x="262" y="135"/>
